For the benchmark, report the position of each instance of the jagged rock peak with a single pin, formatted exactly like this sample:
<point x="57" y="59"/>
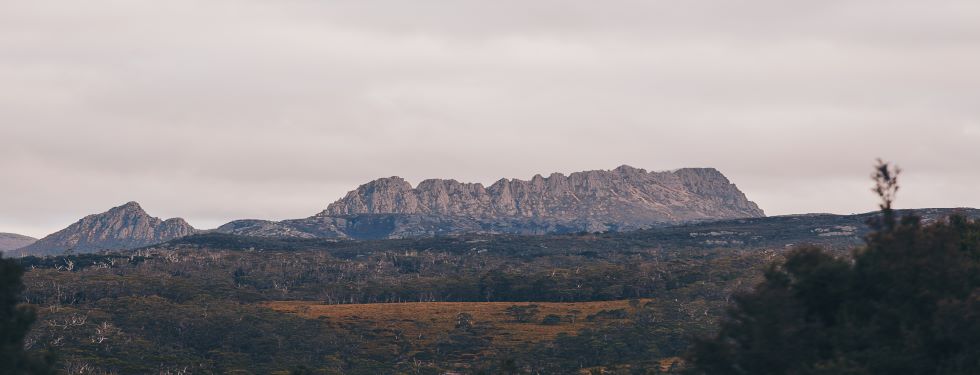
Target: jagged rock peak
<point x="123" y="227"/>
<point x="131" y="206"/>
<point x="622" y="195"/>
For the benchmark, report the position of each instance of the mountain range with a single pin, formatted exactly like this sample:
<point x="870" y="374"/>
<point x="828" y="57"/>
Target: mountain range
<point x="624" y="198"/>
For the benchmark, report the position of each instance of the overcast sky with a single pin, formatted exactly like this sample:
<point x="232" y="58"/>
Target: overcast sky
<point x="219" y="110"/>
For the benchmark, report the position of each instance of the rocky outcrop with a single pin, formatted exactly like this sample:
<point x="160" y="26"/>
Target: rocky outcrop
<point x="123" y="227"/>
<point x="622" y="195"/>
<point x="265" y="228"/>
<point x="621" y="199"/>
<point x="11" y="241"/>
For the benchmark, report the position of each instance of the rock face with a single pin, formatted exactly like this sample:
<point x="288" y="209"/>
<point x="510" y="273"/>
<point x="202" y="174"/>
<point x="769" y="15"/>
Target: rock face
<point x="620" y="199"/>
<point x="123" y="227"/>
<point x="623" y="195"/>
<point x="10" y="241"/>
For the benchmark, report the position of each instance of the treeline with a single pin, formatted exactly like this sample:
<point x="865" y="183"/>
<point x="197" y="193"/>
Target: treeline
<point x="381" y="276"/>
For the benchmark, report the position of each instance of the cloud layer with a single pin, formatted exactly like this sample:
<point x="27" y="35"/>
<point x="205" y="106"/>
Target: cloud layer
<point x="226" y="109"/>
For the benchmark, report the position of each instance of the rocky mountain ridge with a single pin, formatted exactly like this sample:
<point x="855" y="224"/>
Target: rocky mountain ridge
<point x="621" y="194"/>
<point x="122" y="227"/>
<point x="624" y="198"/>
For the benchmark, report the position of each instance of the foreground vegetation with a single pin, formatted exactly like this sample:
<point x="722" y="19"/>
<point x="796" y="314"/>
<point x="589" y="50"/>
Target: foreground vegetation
<point x="619" y="303"/>
<point x="906" y="303"/>
<point x="198" y="308"/>
<point x="463" y="333"/>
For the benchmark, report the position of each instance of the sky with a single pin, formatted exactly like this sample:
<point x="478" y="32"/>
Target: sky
<point x="219" y="110"/>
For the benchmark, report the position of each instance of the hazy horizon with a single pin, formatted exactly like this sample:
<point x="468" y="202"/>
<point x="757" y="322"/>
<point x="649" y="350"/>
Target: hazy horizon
<point x="226" y="110"/>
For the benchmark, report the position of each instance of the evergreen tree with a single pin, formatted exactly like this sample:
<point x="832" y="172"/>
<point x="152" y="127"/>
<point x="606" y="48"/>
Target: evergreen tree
<point x="908" y="302"/>
<point x="15" y="322"/>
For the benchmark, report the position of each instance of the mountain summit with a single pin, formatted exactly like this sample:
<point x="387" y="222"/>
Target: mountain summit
<point x="623" y="195"/>
<point x="123" y="227"/>
<point x="620" y="199"/>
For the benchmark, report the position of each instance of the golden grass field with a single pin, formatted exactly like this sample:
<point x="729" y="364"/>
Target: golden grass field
<point x="426" y="322"/>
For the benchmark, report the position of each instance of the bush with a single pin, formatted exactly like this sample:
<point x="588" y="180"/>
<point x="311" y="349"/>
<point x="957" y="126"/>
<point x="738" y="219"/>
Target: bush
<point x="551" y="320"/>
<point x="523" y="314"/>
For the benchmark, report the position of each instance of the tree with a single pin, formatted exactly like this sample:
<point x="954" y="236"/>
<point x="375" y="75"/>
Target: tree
<point x="907" y="302"/>
<point x="15" y="322"/>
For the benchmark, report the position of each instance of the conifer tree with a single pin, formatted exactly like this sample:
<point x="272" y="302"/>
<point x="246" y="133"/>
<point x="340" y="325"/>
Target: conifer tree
<point x="907" y="302"/>
<point x="15" y="323"/>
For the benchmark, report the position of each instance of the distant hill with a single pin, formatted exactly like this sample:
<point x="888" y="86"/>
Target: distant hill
<point x="833" y="231"/>
<point x="120" y="228"/>
<point x="625" y="198"/>
<point x="11" y="241"/>
<point x="836" y="232"/>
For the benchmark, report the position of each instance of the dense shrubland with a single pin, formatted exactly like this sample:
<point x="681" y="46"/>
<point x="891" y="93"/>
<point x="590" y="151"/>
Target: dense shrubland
<point x="196" y="307"/>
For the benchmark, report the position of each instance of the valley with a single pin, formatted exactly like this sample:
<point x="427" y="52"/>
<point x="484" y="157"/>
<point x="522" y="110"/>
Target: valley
<point x="231" y="304"/>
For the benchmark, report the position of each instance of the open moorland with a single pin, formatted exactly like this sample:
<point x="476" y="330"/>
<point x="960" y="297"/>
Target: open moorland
<point x="507" y="324"/>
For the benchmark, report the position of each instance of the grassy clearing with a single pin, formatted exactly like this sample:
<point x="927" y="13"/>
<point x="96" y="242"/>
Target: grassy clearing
<point x="427" y="322"/>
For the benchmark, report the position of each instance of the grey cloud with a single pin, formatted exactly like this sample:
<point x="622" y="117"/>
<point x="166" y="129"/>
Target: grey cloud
<point x="227" y="109"/>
